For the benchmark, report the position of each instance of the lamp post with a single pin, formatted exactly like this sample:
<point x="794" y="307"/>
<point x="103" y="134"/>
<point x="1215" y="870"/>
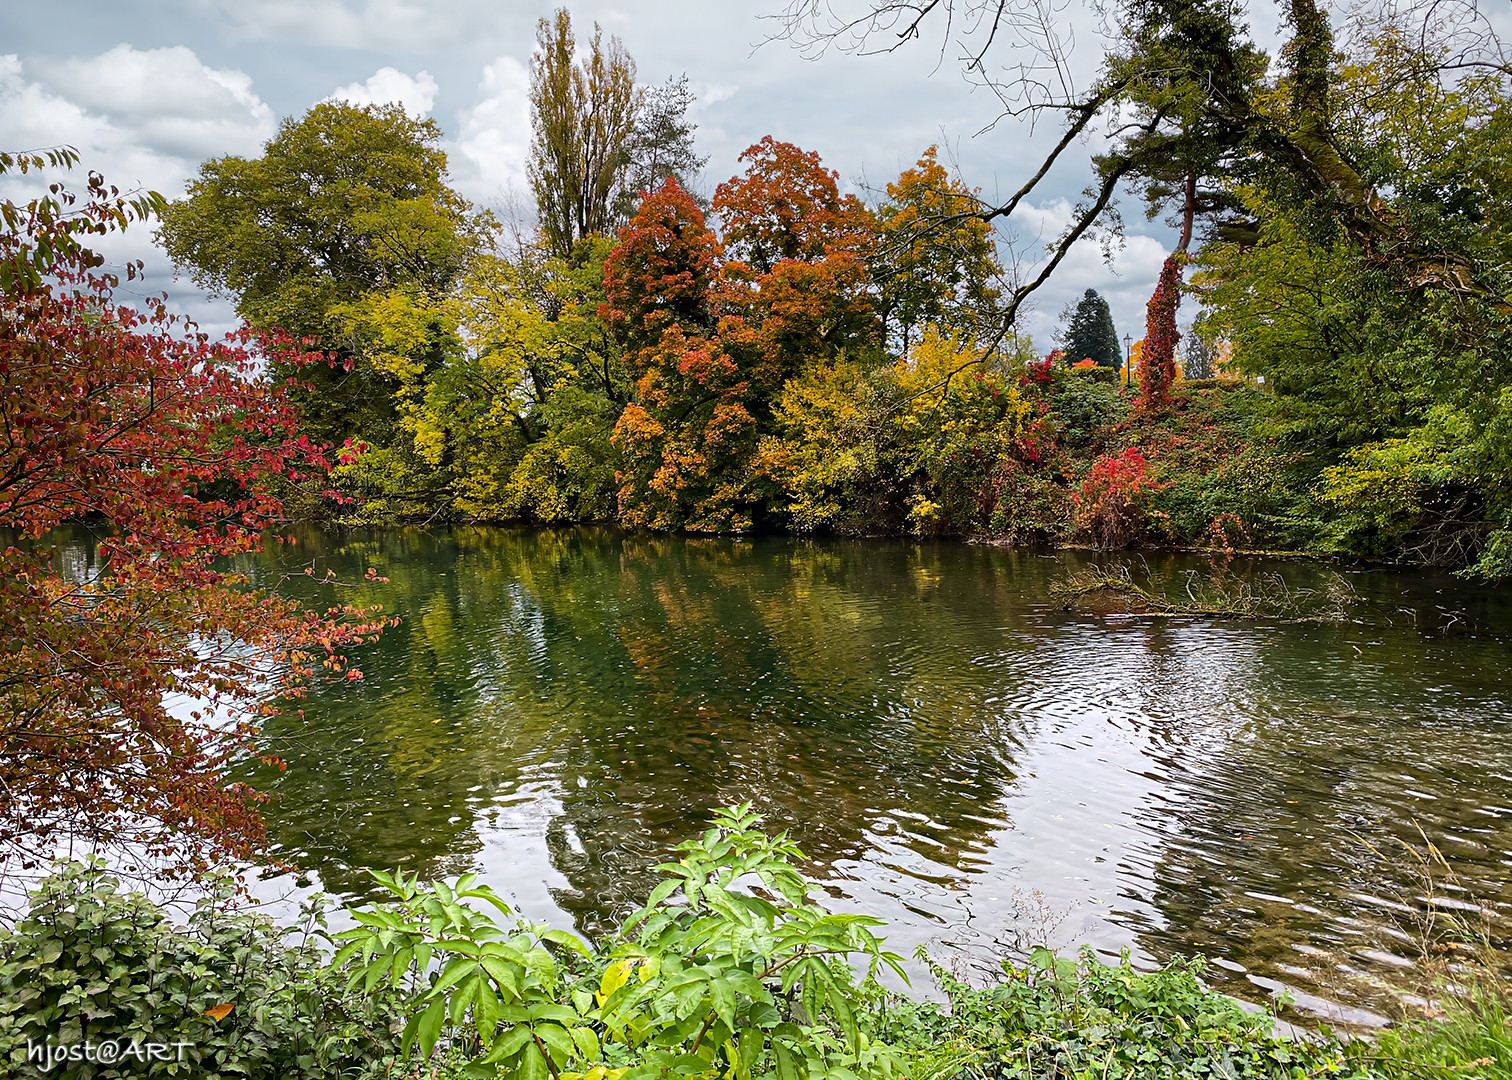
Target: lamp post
<point x="1128" y="355"/>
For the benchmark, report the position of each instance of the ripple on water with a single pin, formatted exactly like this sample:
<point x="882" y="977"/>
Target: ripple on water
<point x="956" y="754"/>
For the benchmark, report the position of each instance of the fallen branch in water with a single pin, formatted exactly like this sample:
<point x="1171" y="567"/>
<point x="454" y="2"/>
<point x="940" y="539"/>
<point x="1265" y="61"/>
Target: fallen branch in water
<point x="1223" y="596"/>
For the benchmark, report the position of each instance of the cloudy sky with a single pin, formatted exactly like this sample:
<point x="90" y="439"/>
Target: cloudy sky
<point x="148" y="90"/>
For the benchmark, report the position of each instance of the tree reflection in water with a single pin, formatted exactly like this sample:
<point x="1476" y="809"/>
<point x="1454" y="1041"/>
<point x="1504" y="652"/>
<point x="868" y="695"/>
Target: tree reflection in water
<point x="558" y="708"/>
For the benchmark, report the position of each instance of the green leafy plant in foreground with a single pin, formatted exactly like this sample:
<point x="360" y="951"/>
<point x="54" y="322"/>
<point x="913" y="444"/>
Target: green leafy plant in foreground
<point x="1062" y="1019"/>
<point x="729" y="970"/>
<point x="249" y="999"/>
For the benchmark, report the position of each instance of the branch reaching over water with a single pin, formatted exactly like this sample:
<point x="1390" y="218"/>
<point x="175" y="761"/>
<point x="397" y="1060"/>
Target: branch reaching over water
<point x="1221" y="595"/>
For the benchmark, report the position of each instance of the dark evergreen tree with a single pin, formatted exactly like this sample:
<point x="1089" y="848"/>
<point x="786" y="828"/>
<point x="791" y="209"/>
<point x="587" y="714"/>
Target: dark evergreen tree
<point x="1089" y="334"/>
<point x="1196" y="353"/>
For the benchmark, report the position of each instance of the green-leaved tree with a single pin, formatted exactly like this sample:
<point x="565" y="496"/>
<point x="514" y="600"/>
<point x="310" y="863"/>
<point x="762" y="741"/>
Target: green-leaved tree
<point x="583" y="114"/>
<point x="343" y="203"/>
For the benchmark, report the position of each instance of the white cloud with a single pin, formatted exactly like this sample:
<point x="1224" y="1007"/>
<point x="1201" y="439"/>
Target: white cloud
<point x="391" y="86"/>
<point x="1126" y="284"/>
<point x="405" y="26"/>
<point x="494" y="134"/>
<point x="143" y="119"/>
<point x="139" y="117"/>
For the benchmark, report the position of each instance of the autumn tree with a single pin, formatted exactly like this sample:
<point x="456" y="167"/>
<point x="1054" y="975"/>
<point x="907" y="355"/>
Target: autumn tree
<point x="1183" y="92"/>
<point x="935" y="261"/>
<point x="796" y="289"/>
<point x="687" y="430"/>
<point x="712" y="341"/>
<point x="1089" y="333"/>
<point x="583" y="118"/>
<point x="167" y="447"/>
<point x="342" y="203"/>
<point x="787" y="205"/>
<point x="1157" y="369"/>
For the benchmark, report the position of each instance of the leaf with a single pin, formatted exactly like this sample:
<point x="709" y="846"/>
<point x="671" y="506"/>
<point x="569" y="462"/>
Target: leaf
<point x="587" y="1043"/>
<point x="533" y="1064"/>
<point x="570" y="941"/>
<point x="557" y="1040"/>
<point x="508" y="1044"/>
<point x="429" y="1029"/>
<point x="724" y="1001"/>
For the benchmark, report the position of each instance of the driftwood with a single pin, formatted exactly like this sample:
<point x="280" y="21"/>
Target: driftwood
<point x="1221" y="595"/>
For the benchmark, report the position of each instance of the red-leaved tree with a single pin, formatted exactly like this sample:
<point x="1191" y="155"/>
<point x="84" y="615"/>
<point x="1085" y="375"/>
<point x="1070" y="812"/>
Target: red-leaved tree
<point x="1157" y="369"/>
<point x="169" y="449"/>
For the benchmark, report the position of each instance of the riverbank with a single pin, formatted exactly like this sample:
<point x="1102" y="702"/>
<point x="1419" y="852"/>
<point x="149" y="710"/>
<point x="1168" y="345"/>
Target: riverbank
<point x="705" y="980"/>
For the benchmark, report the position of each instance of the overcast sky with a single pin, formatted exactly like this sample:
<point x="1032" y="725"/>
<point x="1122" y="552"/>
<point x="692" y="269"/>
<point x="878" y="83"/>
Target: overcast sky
<point x="148" y="90"/>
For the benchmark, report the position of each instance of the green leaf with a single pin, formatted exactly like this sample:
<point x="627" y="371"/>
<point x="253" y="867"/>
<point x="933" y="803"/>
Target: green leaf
<point x="587" y="1043"/>
<point x="558" y="1042"/>
<point x="508" y="1044"/>
<point x="552" y="1011"/>
<point x="724" y="1001"/>
<point x="570" y="941"/>
<point x="787" y="1069"/>
<point x="430" y="1027"/>
<point x="533" y="1064"/>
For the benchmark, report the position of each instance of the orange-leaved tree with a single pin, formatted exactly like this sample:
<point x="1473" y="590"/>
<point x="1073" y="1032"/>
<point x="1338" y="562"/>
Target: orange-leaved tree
<point x="131" y="678"/>
<point x="682" y="433"/>
<point x="795" y="291"/>
<point x="712" y="341"/>
<point x="787" y="205"/>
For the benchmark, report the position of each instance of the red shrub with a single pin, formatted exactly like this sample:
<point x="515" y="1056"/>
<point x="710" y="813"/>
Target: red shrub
<point x="1110" y="509"/>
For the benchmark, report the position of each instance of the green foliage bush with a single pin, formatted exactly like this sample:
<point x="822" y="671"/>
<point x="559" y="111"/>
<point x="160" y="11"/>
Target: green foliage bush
<point x="1060" y="1019"/>
<point x="90" y="962"/>
<point x="729" y="970"/>
<point x="1084" y="404"/>
<point x="1101" y="375"/>
<point x="568" y="475"/>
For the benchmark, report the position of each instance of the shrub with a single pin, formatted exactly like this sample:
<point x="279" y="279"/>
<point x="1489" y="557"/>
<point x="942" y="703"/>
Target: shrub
<point x="1083" y="407"/>
<point x="1058" y="1018"/>
<point x="1095" y="373"/>
<point x="1112" y="507"/>
<point x="1029" y="507"/>
<point x="89" y="962"/>
<point x="709" y="978"/>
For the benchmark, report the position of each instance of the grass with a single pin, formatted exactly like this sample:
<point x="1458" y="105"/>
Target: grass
<point x="1468" y="1036"/>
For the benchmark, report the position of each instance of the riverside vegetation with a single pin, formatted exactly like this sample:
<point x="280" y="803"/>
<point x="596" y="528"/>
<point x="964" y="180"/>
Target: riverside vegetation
<point x="784" y="356"/>
<point x="777" y="356"/>
<point x="729" y="970"/>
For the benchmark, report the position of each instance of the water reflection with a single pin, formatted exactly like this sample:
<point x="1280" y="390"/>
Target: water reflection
<point x="558" y="708"/>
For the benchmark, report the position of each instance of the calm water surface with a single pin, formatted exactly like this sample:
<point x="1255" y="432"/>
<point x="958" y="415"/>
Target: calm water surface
<point x="955" y="753"/>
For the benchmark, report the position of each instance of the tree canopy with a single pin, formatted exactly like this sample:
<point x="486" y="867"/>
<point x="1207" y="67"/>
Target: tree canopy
<point x="171" y="449"/>
<point x="342" y="203"/>
<point x="583" y="120"/>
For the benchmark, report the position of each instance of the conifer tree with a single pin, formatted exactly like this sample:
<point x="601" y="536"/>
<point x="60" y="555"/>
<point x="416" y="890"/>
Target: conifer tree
<point x="660" y="146"/>
<point x="1089" y="334"/>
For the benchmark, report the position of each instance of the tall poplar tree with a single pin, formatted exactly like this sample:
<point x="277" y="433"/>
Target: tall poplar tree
<point x="583" y="115"/>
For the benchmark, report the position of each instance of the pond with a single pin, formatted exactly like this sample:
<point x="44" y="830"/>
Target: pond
<point x="955" y="753"/>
